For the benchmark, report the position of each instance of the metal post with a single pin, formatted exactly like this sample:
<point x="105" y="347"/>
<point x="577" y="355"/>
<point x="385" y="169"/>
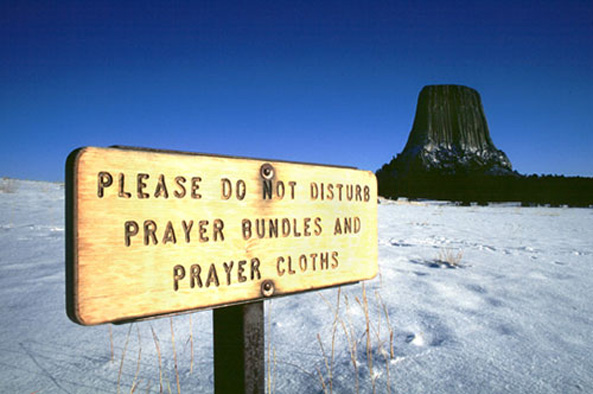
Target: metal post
<point x="239" y="349"/>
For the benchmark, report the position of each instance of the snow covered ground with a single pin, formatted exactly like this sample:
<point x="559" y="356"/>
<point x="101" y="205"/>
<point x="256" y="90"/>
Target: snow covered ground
<point x="469" y="299"/>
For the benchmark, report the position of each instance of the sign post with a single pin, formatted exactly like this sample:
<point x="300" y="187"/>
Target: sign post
<point x="239" y="349"/>
<point x="152" y="233"/>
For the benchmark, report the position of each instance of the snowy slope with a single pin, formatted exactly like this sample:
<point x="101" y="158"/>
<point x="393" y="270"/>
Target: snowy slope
<point x="514" y="315"/>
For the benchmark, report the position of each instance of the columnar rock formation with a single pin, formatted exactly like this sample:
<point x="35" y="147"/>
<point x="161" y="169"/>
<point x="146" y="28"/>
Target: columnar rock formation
<point x="450" y="136"/>
<point x="450" y="156"/>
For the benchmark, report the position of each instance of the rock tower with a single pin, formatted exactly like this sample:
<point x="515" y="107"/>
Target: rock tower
<point x="450" y="136"/>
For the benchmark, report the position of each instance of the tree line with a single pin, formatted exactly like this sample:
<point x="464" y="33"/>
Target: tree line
<point x="553" y="190"/>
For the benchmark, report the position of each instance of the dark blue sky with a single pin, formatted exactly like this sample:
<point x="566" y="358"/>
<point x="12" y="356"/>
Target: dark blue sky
<point x="332" y="82"/>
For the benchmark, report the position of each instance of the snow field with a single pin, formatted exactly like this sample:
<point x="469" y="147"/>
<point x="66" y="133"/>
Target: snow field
<point x="513" y="315"/>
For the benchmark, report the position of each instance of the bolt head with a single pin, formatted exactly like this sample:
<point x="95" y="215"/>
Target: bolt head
<point x="267" y="288"/>
<point x="267" y="171"/>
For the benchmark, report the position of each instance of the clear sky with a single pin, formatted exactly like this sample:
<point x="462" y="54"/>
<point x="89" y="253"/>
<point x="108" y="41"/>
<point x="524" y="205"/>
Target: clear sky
<point x="333" y="82"/>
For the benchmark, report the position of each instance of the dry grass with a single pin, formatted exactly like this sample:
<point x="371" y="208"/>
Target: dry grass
<point x="111" y="342"/>
<point x="134" y="384"/>
<point x="123" y="356"/>
<point x="158" y="351"/>
<point x="369" y="343"/>
<point x="175" y="357"/>
<point x="352" y="344"/>
<point x="7" y="185"/>
<point x="165" y="383"/>
<point x="327" y="368"/>
<point x="349" y="334"/>
<point x="450" y="258"/>
<point x="389" y="354"/>
<point x="191" y="345"/>
<point x="377" y="337"/>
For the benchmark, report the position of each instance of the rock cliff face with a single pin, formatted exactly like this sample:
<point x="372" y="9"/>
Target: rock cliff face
<point x="450" y="136"/>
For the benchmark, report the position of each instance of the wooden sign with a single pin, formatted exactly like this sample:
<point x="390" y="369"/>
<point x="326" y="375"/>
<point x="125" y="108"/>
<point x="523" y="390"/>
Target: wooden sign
<point x="152" y="232"/>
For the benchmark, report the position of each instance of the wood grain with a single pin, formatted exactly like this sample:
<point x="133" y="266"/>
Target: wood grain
<point x="153" y="233"/>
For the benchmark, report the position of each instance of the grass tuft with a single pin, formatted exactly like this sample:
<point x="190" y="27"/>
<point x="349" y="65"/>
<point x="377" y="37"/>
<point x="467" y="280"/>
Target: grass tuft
<point x="449" y="258"/>
<point x="377" y="340"/>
